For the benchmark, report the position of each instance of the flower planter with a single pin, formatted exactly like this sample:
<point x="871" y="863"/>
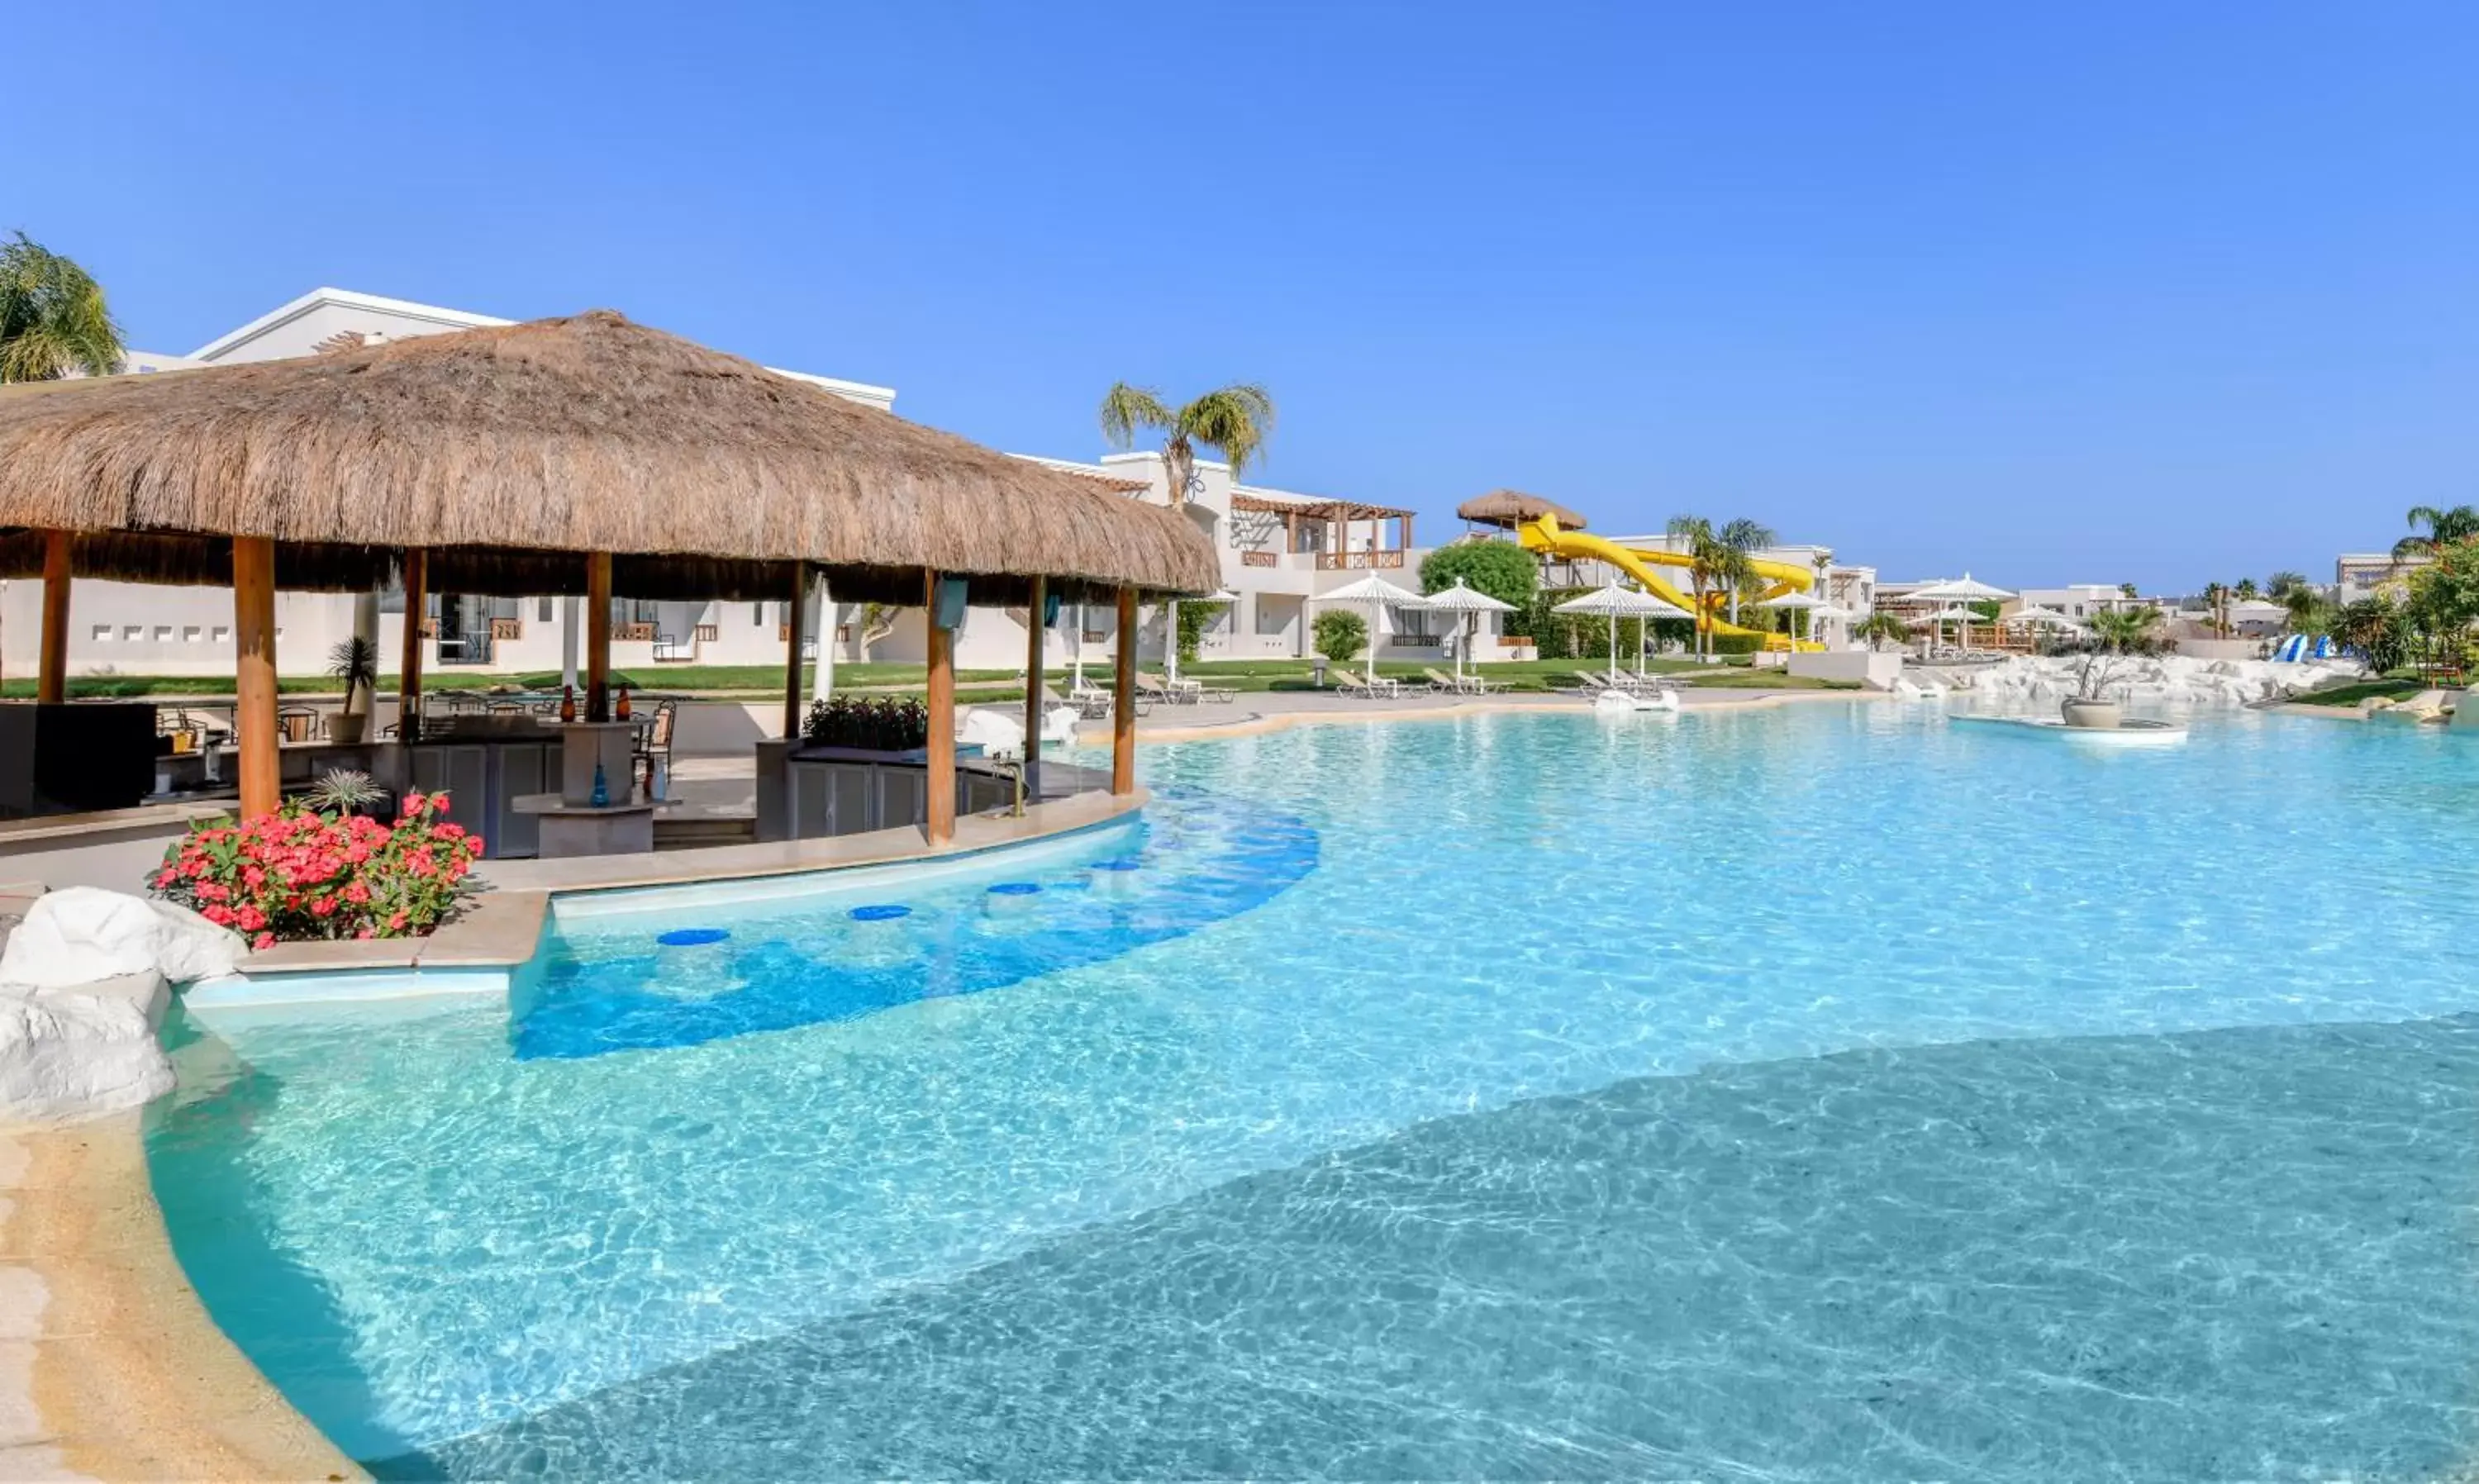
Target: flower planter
<point x="2097" y="715"/>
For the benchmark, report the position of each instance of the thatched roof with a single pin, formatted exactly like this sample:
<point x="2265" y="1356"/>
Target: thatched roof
<point x="1510" y="508"/>
<point x="507" y="452"/>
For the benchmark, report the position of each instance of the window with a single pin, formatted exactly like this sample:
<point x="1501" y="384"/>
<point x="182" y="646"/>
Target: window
<point x="757" y="615"/>
<point x="223" y="634"/>
<point x="542" y="610"/>
<point x="103" y="633"/>
<point x="162" y="634"/>
<point x="131" y="633"/>
<point x="190" y="633"/>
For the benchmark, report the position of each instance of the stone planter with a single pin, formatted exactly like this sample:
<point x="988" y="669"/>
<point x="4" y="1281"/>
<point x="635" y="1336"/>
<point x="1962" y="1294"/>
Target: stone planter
<point x="2100" y="715"/>
<point x="349" y="726"/>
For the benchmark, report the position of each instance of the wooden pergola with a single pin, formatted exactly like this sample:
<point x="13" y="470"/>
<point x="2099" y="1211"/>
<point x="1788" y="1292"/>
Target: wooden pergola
<point x="1338" y="516"/>
<point x="583" y="457"/>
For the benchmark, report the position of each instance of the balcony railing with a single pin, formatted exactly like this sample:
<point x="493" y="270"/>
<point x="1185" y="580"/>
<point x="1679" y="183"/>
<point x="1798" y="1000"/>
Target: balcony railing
<point x="1358" y="561"/>
<point x="1259" y="558"/>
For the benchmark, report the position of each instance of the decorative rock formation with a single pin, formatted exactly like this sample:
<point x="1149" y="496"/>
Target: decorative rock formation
<point x="82" y="989"/>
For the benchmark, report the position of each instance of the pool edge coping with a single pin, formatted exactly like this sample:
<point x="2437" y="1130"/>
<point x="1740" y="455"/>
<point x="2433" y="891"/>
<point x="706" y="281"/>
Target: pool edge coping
<point x="128" y="1376"/>
<point x="504" y="931"/>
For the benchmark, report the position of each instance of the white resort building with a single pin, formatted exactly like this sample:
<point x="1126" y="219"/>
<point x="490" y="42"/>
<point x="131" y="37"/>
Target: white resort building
<point x="1279" y="548"/>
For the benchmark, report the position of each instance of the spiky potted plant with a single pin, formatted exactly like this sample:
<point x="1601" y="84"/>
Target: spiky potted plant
<point x="355" y="661"/>
<point x="2091" y="707"/>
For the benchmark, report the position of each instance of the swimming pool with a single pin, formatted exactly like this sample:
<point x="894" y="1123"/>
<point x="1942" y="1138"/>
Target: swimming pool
<point x="1826" y="1092"/>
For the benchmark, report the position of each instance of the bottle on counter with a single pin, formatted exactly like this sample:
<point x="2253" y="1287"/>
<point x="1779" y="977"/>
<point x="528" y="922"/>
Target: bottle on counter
<point x="621" y="714"/>
<point x="601" y="796"/>
<point x="567" y="704"/>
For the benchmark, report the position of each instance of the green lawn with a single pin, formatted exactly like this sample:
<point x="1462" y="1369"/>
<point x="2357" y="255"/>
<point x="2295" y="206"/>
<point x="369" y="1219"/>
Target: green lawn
<point x="757" y="679"/>
<point x="766" y="681"/>
<point x="2350" y="693"/>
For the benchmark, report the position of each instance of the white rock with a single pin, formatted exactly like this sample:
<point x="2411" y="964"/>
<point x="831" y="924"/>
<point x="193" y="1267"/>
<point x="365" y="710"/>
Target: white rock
<point x="68" y="1054"/>
<point x="191" y="947"/>
<point x="79" y="935"/>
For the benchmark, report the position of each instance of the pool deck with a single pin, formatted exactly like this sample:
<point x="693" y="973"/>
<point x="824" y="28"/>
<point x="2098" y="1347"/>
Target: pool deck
<point x="110" y="1366"/>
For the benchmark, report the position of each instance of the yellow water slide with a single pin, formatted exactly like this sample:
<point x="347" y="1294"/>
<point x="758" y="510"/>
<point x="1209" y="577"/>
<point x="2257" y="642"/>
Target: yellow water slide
<point x="1544" y="535"/>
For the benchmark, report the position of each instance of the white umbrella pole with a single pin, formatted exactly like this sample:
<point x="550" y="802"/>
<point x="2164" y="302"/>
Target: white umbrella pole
<point x="1170" y="637"/>
<point x="1614" y="645"/>
<point x="822" y="683"/>
<point x="1076" y="652"/>
<point x="1373" y="606"/>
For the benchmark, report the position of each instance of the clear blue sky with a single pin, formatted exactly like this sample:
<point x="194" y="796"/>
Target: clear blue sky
<point x="2106" y="292"/>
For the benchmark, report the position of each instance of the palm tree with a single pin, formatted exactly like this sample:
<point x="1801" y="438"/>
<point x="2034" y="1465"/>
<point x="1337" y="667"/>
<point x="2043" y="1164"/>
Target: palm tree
<point x="2443" y="529"/>
<point x="2281" y="584"/>
<point x="1236" y="420"/>
<point x="53" y="318"/>
<point x="2245" y="590"/>
<point x="2125" y="630"/>
<point x="2309" y="612"/>
<point x="1746" y="537"/>
<point x="1711" y="568"/>
<point x="2127" y="590"/>
<point x="1881" y="625"/>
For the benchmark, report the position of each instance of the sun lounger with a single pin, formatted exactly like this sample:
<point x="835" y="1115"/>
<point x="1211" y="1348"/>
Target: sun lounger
<point x="1349" y="682"/>
<point x="1194" y="691"/>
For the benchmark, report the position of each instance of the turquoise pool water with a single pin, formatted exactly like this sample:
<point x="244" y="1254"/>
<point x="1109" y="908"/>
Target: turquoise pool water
<point x="1813" y="1094"/>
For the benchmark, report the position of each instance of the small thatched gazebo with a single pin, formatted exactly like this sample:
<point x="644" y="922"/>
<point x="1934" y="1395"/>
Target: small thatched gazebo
<point x="585" y="455"/>
<point x="1507" y="509"/>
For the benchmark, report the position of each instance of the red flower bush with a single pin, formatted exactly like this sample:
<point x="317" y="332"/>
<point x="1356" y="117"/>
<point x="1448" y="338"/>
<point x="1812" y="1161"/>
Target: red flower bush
<point x="299" y="874"/>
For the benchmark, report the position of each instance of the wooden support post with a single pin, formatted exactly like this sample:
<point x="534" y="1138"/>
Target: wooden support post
<point x="795" y="615"/>
<point x="1032" y="657"/>
<point x="1123" y="699"/>
<point x="1407" y="530"/>
<point x="597" y="636"/>
<point x="52" y="675"/>
<point x="253" y="559"/>
<point x="408" y="673"/>
<point x="940" y="786"/>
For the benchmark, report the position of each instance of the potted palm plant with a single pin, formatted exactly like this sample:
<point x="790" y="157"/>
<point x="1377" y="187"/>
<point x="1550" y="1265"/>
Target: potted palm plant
<point x="355" y="661"/>
<point x="2091" y="705"/>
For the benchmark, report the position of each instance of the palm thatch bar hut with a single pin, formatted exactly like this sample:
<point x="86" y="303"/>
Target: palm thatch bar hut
<point x="583" y="455"/>
<point x="1508" y="509"/>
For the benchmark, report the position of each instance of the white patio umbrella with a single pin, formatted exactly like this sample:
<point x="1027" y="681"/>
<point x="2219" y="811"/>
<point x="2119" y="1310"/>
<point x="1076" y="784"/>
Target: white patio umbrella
<point x="1461" y="600"/>
<point x="1963" y="590"/>
<point x="1950" y="613"/>
<point x="1615" y="600"/>
<point x="1829" y="613"/>
<point x="1170" y="629"/>
<point x="1375" y="591"/>
<point x="1793" y="602"/>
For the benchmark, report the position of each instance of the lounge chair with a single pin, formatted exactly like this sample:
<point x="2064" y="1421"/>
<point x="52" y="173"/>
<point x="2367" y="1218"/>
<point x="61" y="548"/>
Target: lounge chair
<point x="1151" y="685"/>
<point x="1459" y="685"/>
<point x="1093" y="705"/>
<point x="1194" y="691"/>
<point x="1349" y="682"/>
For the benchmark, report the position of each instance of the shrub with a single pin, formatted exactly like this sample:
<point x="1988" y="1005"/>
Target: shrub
<point x="297" y="875"/>
<point x="882" y="724"/>
<point x="1736" y="643"/>
<point x="1501" y="568"/>
<point x="1194" y="618"/>
<point x="1341" y="635"/>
